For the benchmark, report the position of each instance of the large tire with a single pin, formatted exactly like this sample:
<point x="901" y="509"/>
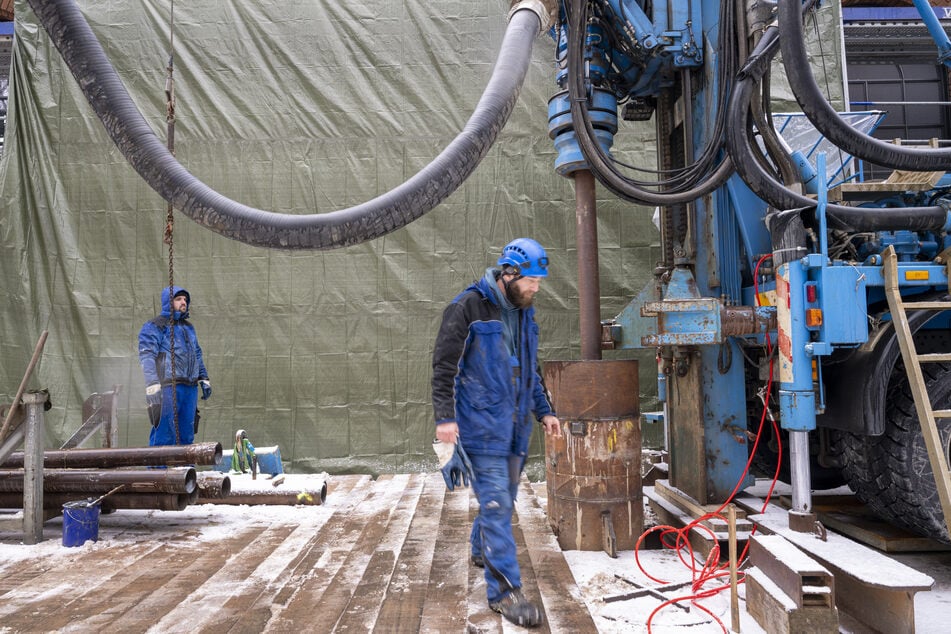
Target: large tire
<point x="891" y="473"/>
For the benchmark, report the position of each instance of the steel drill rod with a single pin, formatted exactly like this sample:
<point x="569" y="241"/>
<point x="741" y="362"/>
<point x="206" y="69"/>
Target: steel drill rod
<point x="589" y="285"/>
<point x="172" y="480"/>
<point x="148" y="501"/>
<point x="116" y="501"/>
<point x="206" y="453"/>
<point x="272" y="497"/>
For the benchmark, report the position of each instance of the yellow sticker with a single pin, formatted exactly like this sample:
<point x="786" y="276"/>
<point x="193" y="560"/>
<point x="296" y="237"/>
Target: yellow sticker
<point x="767" y="298"/>
<point x="916" y="275"/>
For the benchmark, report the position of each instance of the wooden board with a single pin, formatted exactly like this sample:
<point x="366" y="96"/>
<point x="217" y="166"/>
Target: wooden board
<point x="384" y="555"/>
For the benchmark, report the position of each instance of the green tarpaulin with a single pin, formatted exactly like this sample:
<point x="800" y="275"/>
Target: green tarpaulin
<point x="300" y="107"/>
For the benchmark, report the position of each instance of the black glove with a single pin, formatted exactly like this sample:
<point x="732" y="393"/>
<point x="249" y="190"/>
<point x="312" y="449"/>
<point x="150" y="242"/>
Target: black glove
<point x="153" y="394"/>
<point x="205" y="386"/>
<point x="155" y="414"/>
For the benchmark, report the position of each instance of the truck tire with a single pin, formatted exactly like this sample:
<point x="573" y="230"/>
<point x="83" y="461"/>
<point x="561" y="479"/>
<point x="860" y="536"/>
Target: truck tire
<point x="891" y="473"/>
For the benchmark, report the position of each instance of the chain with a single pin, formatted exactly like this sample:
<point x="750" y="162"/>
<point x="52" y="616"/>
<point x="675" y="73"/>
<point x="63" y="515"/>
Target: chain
<point x="170" y="217"/>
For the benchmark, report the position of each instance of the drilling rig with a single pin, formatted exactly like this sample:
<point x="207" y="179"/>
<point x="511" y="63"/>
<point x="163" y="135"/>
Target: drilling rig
<point x="780" y="296"/>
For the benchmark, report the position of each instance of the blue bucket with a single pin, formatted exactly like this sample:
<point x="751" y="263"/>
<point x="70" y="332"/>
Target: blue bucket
<point x="80" y="522"/>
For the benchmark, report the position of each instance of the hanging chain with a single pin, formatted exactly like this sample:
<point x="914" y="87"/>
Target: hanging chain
<point x="170" y="218"/>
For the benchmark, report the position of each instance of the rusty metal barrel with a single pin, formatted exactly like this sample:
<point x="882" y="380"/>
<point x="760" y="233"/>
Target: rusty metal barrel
<point x="593" y="472"/>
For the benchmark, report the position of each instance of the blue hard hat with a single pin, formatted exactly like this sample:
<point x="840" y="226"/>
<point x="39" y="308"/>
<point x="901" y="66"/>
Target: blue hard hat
<point x="526" y="256"/>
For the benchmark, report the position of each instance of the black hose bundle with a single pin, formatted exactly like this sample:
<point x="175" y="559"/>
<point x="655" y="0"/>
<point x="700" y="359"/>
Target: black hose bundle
<point x="698" y="181"/>
<point x="766" y="187"/>
<point x="827" y="120"/>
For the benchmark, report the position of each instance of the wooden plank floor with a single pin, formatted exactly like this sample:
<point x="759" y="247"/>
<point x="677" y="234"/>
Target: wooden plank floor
<point x="384" y="555"/>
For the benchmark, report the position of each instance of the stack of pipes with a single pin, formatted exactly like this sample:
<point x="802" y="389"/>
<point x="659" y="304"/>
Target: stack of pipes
<point x="126" y="477"/>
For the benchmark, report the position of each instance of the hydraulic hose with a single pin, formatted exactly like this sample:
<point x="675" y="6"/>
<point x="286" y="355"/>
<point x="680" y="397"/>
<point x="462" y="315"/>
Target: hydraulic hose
<point x="83" y="54"/>
<point x="598" y="162"/>
<point x="827" y="120"/>
<point x="767" y="188"/>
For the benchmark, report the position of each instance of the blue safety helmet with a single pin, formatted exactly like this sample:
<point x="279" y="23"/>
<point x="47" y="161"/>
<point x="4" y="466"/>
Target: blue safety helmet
<point x="526" y="256"/>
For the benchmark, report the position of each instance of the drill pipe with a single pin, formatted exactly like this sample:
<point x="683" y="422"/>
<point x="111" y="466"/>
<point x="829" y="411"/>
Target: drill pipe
<point x="206" y="453"/>
<point x="173" y="480"/>
<point x="212" y="484"/>
<point x="272" y="497"/>
<point x="140" y="501"/>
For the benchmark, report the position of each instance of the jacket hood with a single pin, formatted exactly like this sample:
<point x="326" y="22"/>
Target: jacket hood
<point x="167" y="301"/>
<point x="484" y="286"/>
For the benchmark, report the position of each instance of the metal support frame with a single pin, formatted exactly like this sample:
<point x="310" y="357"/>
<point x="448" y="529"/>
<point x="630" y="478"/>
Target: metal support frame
<point x="100" y="410"/>
<point x="33" y="467"/>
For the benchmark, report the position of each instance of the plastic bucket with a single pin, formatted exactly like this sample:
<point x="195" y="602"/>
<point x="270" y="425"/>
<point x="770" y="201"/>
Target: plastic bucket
<point x="80" y="522"/>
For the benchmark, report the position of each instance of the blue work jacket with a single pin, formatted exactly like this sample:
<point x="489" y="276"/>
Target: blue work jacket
<point x="155" y="345"/>
<point x="478" y="384"/>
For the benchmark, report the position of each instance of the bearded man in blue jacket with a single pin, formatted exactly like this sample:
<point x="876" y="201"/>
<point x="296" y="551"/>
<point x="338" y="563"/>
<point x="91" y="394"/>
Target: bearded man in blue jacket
<point x="487" y="388"/>
<point x="174" y="370"/>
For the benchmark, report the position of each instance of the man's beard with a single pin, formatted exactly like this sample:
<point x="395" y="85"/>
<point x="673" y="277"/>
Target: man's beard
<point x="517" y="298"/>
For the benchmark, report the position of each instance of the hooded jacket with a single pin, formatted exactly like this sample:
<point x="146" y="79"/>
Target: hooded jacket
<point x="478" y="384"/>
<point x="155" y="345"/>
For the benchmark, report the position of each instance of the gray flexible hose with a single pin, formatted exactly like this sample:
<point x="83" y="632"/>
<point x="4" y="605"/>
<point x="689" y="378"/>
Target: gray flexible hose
<point x="72" y="36"/>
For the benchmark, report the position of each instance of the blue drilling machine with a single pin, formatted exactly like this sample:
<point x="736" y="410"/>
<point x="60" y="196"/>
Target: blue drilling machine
<point x="779" y="296"/>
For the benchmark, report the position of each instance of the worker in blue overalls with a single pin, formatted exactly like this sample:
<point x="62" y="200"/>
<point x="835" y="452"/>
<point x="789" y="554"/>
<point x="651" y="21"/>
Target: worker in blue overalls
<point x="486" y="390"/>
<point x="174" y="371"/>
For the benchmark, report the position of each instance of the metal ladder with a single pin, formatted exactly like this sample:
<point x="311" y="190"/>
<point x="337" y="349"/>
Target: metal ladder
<point x="916" y="380"/>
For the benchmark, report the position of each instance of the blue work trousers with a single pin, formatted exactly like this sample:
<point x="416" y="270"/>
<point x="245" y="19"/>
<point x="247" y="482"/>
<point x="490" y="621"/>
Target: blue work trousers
<point x="186" y="402"/>
<point x="496" y="485"/>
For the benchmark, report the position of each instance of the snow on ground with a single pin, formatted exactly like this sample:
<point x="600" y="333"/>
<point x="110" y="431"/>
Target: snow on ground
<point x="599" y="577"/>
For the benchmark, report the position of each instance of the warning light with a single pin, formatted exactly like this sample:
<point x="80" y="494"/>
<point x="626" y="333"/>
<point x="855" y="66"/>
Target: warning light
<point x="916" y="276"/>
<point x="811" y="293"/>
<point x="813" y="317"/>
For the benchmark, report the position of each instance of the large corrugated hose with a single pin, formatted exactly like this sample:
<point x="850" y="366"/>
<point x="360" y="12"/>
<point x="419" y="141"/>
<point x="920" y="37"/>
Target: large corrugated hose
<point x="74" y="39"/>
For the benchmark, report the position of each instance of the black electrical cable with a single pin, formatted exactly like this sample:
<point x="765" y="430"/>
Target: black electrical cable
<point x="600" y="164"/>
<point x="827" y="120"/>
<point x="681" y="178"/>
<point x="72" y="36"/>
<point x="774" y="193"/>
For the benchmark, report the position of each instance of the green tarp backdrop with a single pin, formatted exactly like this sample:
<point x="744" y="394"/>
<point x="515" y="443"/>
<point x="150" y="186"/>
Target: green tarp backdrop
<point x="297" y="106"/>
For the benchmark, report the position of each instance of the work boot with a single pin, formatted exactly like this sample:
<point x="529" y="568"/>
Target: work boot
<point x="478" y="561"/>
<point x="517" y="609"/>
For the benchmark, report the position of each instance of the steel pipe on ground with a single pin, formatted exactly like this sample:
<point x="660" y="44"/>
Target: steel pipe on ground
<point x="206" y="453"/>
<point x="276" y="497"/>
<point x="212" y="484"/>
<point x="147" y="501"/>
<point x="173" y="480"/>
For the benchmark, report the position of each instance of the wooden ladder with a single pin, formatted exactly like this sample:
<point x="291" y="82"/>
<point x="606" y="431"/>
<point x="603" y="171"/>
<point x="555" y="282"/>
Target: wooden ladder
<point x="916" y="380"/>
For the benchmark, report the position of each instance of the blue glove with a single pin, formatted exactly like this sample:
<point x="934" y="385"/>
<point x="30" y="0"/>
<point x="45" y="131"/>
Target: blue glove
<point x="454" y="464"/>
<point x="205" y="389"/>
<point x="153" y="394"/>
